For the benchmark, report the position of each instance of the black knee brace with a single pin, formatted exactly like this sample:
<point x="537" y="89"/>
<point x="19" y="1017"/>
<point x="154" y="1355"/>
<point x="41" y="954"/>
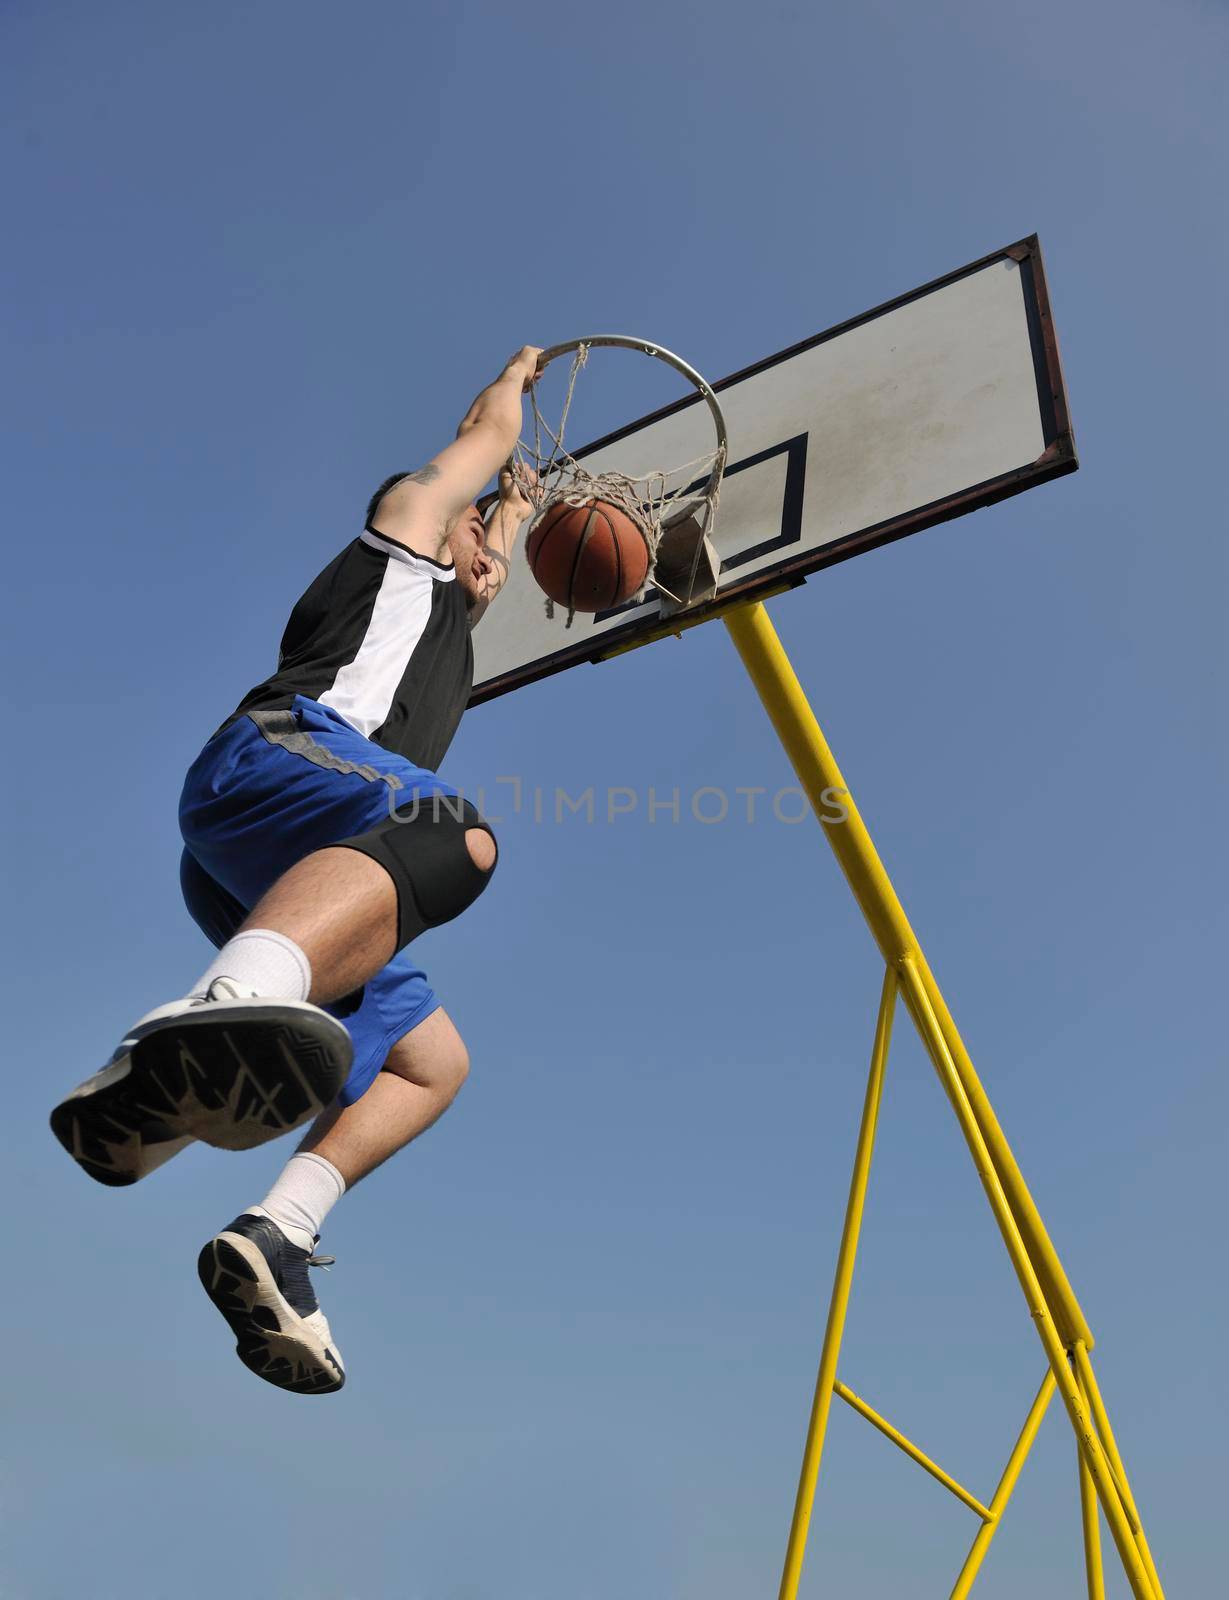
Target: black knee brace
<point x="422" y="848"/>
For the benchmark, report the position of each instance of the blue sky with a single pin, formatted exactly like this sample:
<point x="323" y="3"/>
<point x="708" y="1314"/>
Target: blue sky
<point x="258" y="257"/>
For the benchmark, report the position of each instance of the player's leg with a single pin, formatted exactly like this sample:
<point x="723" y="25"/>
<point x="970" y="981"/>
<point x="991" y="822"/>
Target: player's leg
<point x="419" y="1081"/>
<point x="335" y="918"/>
<point x="340" y="907"/>
<point x="335" y="843"/>
<point x="256" y="1269"/>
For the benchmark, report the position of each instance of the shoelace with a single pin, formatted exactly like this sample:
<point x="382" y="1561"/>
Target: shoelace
<point x="223" y="992"/>
<point x="293" y="1279"/>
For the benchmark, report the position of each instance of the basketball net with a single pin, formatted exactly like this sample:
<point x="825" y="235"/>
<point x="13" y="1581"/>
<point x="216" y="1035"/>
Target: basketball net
<point x="674" y="508"/>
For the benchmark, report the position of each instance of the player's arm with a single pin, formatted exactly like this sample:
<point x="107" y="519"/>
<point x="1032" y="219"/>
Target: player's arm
<point x="503" y="525"/>
<point x="419" y="510"/>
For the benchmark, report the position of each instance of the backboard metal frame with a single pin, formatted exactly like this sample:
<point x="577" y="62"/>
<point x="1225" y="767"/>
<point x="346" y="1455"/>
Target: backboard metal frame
<point x="1057" y="458"/>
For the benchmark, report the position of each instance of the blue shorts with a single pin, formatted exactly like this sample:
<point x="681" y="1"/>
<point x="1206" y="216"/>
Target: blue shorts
<point x="256" y="802"/>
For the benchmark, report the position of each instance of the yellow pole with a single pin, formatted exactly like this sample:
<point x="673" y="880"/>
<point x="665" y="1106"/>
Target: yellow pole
<point x="1090" y="1517"/>
<point x="795" y="1550"/>
<point x="1007" y="1484"/>
<point x="1088" y="1382"/>
<point x="1068" y="1388"/>
<point x="769" y="668"/>
<point x="1051" y="1300"/>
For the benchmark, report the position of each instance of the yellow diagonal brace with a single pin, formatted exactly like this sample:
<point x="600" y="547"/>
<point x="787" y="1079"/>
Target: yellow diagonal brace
<point x="777" y="685"/>
<point x="912" y="1451"/>
<point x="1007" y="1483"/>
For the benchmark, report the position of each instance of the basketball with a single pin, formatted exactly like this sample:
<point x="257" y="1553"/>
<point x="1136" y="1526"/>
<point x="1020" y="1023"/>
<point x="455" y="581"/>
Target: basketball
<point x="590" y="557"/>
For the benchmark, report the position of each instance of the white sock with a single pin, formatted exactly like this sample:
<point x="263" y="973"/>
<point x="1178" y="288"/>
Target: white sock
<point x="302" y="1197"/>
<point x="267" y="962"/>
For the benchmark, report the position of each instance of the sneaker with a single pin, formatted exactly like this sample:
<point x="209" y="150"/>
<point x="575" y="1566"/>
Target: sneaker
<point x="258" y="1281"/>
<point x="229" y="1068"/>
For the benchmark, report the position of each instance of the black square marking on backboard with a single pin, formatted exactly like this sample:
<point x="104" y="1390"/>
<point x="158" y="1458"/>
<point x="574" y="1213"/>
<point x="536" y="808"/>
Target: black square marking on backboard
<point x="795" y="452"/>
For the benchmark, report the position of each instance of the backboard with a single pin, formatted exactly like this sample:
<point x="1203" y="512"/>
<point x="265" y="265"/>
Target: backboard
<point x="937" y="403"/>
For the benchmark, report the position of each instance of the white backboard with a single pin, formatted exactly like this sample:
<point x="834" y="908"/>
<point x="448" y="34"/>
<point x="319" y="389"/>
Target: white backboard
<point x="937" y="403"/>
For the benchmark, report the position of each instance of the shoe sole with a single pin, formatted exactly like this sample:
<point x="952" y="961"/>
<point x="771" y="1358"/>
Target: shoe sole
<point x="271" y="1339"/>
<point x="234" y="1081"/>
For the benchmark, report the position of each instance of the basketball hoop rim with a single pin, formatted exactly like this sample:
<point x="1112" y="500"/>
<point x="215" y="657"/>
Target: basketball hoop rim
<point x="623" y="341"/>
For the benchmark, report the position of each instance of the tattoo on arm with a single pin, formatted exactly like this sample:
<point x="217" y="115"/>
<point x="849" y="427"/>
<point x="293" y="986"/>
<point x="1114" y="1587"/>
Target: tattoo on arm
<point x="427" y="474"/>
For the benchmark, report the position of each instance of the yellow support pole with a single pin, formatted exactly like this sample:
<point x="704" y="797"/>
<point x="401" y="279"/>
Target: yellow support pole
<point x="804" y="1500"/>
<point x="1090" y="1517"/>
<point x="1007" y="1484"/>
<point x="1088" y="1382"/>
<point x="1061" y="1324"/>
<point x="775" y="681"/>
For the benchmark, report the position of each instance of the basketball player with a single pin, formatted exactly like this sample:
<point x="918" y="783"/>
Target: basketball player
<point x="319" y="843"/>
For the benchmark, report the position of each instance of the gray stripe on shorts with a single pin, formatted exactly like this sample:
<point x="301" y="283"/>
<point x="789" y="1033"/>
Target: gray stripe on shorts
<point x="280" y="728"/>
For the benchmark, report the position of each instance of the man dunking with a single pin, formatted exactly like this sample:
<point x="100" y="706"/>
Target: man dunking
<point x="318" y="843"/>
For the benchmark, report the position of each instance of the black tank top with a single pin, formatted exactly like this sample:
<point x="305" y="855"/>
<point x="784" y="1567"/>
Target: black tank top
<point x="382" y="638"/>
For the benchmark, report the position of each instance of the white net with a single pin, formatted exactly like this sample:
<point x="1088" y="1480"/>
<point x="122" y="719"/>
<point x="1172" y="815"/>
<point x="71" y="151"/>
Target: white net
<point x="655" y="500"/>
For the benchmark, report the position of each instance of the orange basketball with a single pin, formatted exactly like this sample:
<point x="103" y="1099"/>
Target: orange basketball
<point x="588" y="558"/>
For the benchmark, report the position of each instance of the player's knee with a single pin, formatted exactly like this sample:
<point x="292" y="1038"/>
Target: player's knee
<point x="433" y="1057"/>
<point x="440" y="854"/>
<point x="445" y="1071"/>
<point x="481" y="847"/>
<point x="454" y="1069"/>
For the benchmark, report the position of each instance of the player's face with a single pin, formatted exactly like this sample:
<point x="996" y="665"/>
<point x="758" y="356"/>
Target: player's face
<point x="467" y="542"/>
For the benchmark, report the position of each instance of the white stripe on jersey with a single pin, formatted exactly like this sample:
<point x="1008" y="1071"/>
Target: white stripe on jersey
<point x="364" y="688"/>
